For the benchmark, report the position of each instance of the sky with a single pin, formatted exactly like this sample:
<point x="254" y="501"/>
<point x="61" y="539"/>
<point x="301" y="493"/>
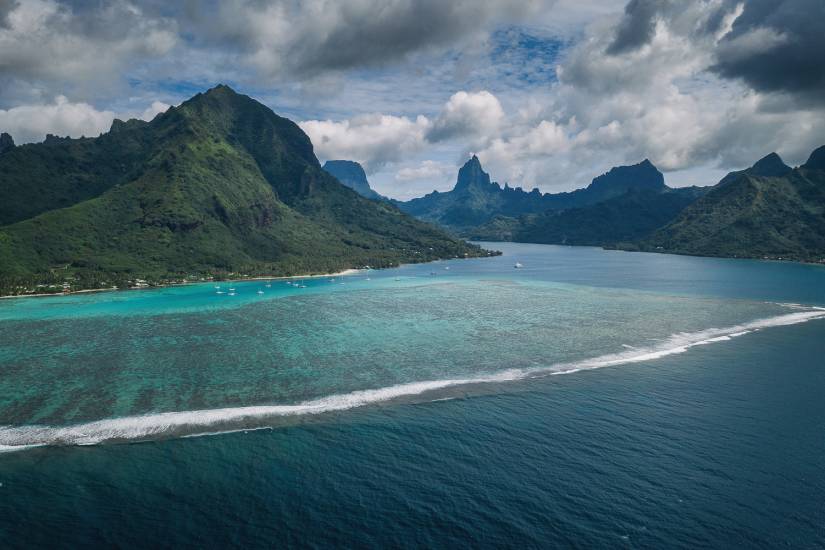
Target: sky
<point x="548" y="94"/>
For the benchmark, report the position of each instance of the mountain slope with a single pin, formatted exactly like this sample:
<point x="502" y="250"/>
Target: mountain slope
<point x="628" y="217"/>
<point x="217" y="185"/>
<point x="352" y="175"/>
<point x="771" y="166"/>
<point x="475" y="200"/>
<point x="753" y="215"/>
<point x="60" y="172"/>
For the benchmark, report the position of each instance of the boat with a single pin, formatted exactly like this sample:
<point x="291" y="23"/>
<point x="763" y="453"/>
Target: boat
<point x="220" y="292"/>
<point x="518" y="265"/>
<point x="231" y="294"/>
<point x="260" y="292"/>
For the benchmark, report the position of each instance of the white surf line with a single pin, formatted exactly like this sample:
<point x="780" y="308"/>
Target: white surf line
<point x="212" y="421"/>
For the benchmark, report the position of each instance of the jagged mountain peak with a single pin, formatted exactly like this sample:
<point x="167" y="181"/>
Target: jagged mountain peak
<point x="472" y="174"/>
<point x="770" y="165"/>
<point x="817" y="160"/>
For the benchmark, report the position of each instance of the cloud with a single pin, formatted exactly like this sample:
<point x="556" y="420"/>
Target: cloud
<point x="153" y="110"/>
<point x="475" y="115"/>
<point x="31" y="123"/>
<point x="377" y="139"/>
<point x="772" y="46"/>
<point x="83" y="46"/>
<point x="547" y="93"/>
<point x="659" y="99"/>
<point x="648" y="84"/>
<point x="426" y="170"/>
<point x="6" y="7"/>
<point x="373" y="140"/>
<point x="637" y="26"/>
<point x="776" y="47"/>
<point x="547" y="138"/>
<point x="313" y="36"/>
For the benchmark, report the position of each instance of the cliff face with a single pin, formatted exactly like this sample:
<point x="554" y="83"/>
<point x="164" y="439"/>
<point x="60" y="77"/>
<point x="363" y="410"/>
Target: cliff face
<point x="351" y="174"/>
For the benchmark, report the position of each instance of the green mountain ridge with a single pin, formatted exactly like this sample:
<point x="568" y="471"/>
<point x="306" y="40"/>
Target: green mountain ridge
<point x="754" y="216"/>
<point x="218" y="185"/>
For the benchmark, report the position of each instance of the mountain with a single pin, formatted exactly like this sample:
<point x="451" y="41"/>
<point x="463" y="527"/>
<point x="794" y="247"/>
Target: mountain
<point x="621" y="179"/>
<point x="475" y="200"/>
<point x="6" y="143"/>
<point x="626" y="218"/>
<point x="770" y="166"/>
<point x="216" y="186"/>
<point x="816" y="161"/>
<point x="353" y="176"/>
<point x="756" y="213"/>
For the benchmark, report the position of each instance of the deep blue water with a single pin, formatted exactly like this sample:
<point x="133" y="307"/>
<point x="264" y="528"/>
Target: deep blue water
<point x="720" y="444"/>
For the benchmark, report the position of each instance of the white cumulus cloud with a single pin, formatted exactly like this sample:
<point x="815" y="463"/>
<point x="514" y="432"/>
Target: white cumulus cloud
<point x="475" y="115"/>
<point x="427" y="170"/>
<point x="373" y="140"/>
<point x="31" y="123"/>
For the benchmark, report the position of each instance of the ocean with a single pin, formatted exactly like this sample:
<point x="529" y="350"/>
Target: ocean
<point x="590" y="398"/>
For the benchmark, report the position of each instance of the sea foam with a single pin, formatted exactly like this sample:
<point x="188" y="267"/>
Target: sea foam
<point x="213" y="421"/>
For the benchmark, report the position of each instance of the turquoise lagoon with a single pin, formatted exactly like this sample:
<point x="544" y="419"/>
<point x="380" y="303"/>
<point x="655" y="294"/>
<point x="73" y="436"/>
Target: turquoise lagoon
<point x="589" y="398"/>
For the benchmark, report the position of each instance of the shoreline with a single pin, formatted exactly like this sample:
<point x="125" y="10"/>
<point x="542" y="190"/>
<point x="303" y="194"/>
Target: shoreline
<point x="345" y="272"/>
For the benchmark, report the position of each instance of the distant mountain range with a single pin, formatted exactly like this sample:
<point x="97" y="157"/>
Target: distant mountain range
<point x="769" y="210"/>
<point x="476" y="201"/>
<point x="352" y="175"/>
<point x="632" y="201"/>
<point x="219" y="185"/>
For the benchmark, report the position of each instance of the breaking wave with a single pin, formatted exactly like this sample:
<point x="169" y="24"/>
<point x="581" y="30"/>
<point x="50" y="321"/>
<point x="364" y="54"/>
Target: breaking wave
<point x="213" y="421"/>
